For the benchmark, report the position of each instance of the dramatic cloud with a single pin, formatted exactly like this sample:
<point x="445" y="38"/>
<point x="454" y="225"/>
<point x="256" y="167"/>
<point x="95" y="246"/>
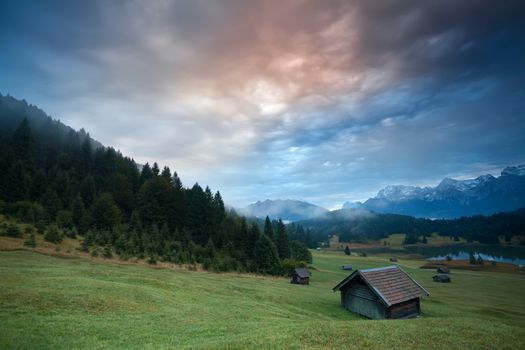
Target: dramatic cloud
<point x="325" y="101"/>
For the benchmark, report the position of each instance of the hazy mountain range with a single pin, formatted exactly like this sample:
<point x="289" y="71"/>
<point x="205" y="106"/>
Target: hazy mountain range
<point x="485" y="195"/>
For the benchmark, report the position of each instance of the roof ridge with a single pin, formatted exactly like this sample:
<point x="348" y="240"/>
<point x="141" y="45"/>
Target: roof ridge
<point x="380" y="268"/>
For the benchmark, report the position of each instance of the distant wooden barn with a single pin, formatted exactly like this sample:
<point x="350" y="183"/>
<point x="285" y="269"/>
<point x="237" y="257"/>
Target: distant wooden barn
<point x="386" y="292"/>
<point x="300" y="275"/>
<point x="442" y="278"/>
<point x="347" y="267"/>
<point x="443" y="269"/>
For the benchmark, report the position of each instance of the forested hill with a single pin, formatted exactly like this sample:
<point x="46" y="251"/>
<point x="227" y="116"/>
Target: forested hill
<point x="65" y="183"/>
<point x="359" y="225"/>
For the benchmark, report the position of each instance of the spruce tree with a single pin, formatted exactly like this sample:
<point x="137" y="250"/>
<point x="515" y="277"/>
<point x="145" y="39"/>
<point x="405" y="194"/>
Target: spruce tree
<point x="146" y="173"/>
<point x="104" y="212"/>
<point x="88" y="190"/>
<point x="268" y="229"/>
<point x="347" y="250"/>
<point x="77" y="211"/>
<point x="266" y="256"/>
<point x="299" y="251"/>
<point x="23" y="144"/>
<point x="251" y="240"/>
<point x="166" y="174"/>
<point x="282" y="241"/>
<point x="53" y="234"/>
<point x="155" y="169"/>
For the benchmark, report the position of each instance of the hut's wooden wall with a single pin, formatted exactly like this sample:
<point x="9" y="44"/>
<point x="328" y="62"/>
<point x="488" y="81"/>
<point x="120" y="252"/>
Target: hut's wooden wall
<point x="405" y="309"/>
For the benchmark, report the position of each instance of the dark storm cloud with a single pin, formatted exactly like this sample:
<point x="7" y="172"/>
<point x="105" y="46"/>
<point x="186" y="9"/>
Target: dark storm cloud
<point x="319" y="100"/>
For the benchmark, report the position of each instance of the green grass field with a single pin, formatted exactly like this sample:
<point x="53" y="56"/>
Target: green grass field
<point x="55" y="303"/>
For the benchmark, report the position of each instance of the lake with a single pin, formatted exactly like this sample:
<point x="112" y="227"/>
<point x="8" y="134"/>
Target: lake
<point x="508" y="254"/>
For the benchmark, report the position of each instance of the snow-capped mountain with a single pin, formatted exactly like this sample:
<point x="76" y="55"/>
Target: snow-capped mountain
<point x="288" y="210"/>
<point x="451" y="198"/>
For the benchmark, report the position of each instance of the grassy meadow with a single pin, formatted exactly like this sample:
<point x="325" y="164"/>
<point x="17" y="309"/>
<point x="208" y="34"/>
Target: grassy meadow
<point x="49" y="302"/>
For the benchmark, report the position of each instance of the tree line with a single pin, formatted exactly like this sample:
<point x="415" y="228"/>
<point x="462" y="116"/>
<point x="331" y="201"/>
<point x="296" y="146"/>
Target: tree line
<point x="362" y="228"/>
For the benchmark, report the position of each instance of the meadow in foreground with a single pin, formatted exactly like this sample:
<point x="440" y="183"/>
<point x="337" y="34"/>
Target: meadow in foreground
<point x="57" y="303"/>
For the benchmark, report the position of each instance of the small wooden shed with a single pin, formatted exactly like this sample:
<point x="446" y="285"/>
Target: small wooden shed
<point x="386" y="292"/>
<point x="300" y="275"/>
<point x="443" y="269"/>
<point x="442" y="278"/>
<point x="347" y="267"/>
<point x="393" y="259"/>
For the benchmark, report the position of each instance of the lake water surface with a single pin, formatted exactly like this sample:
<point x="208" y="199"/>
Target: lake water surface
<point x="508" y="254"/>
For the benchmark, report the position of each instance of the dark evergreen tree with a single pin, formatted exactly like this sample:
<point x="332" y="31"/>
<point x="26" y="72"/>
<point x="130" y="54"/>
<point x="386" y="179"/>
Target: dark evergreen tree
<point x="77" y="211"/>
<point x="88" y="190"/>
<point x="282" y="241"/>
<point x="155" y="169"/>
<point x="146" y="173"/>
<point x="266" y="256"/>
<point x="104" y="212"/>
<point x="53" y="234"/>
<point x="23" y="144"/>
<point x="299" y="251"/>
<point x="347" y="250"/>
<point x="166" y="174"/>
<point x="251" y="240"/>
<point x="268" y="229"/>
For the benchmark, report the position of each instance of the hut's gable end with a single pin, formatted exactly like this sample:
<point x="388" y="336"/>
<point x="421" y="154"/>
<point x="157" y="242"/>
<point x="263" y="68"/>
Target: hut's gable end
<point x="357" y="297"/>
<point x="360" y="289"/>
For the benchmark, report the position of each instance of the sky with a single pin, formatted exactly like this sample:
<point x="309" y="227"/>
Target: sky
<point x="323" y="101"/>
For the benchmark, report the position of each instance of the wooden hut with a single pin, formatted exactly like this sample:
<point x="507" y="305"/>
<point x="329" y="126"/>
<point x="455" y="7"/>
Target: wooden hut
<point x="442" y="278"/>
<point x="386" y="292"/>
<point x="300" y="275"/>
<point x="443" y="269"/>
<point x="393" y="259"/>
<point x="347" y="267"/>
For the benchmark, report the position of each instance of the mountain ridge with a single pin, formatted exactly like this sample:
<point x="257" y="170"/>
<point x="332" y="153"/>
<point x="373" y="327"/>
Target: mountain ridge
<point x="483" y="195"/>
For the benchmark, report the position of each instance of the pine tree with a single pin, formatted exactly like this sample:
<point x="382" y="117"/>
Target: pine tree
<point x="88" y="190"/>
<point x="209" y="250"/>
<point x="77" y="211"/>
<point x="23" y="144"/>
<point x="268" y="229"/>
<point x="105" y="212"/>
<point x="197" y="218"/>
<point x="53" y="234"/>
<point x="266" y="256"/>
<point x="347" y="250"/>
<point x="251" y="240"/>
<point x="17" y="183"/>
<point x="282" y="241"/>
<point x="146" y="173"/>
<point x="299" y="251"/>
<point x="155" y="169"/>
<point x="166" y="174"/>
